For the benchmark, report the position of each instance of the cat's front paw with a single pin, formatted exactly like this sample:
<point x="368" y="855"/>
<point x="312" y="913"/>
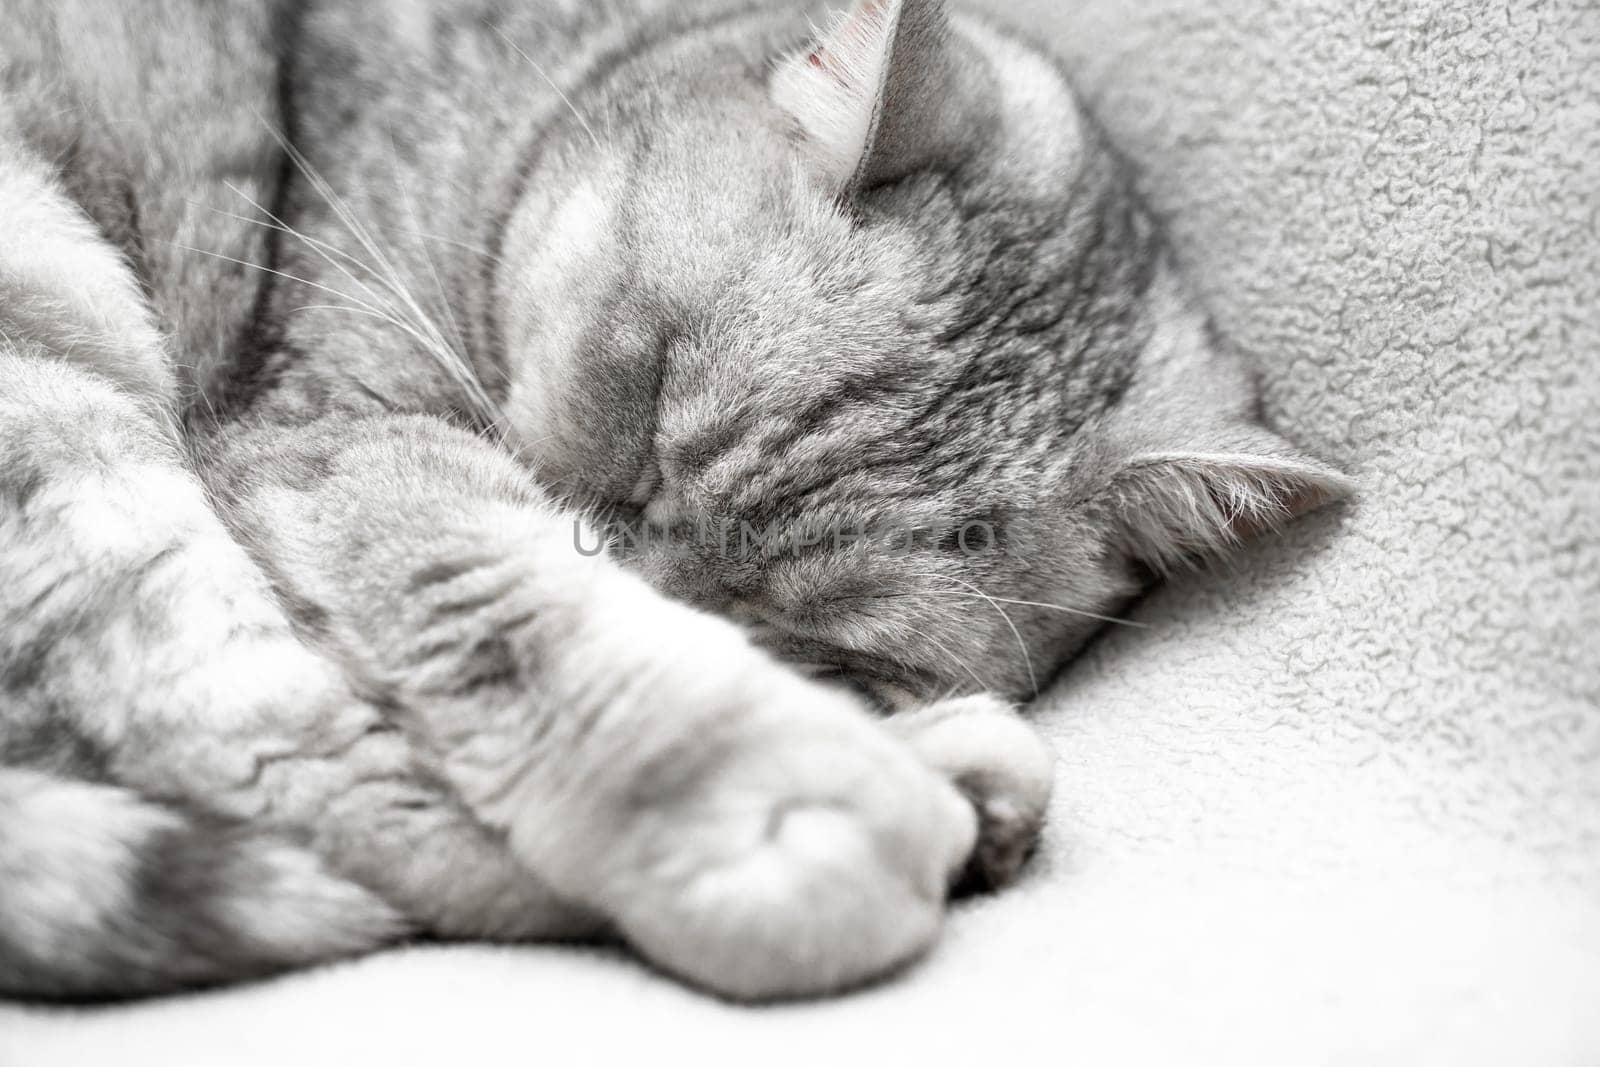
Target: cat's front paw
<point x="808" y="851"/>
<point x="1000" y="764"/>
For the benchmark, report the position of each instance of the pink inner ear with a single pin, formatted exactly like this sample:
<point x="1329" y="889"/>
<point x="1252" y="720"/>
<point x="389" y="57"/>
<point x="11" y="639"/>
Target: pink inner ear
<point x="819" y="59"/>
<point x="855" y="30"/>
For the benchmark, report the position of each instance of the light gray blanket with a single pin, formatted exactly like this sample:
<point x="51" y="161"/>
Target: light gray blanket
<point x="1338" y="805"/>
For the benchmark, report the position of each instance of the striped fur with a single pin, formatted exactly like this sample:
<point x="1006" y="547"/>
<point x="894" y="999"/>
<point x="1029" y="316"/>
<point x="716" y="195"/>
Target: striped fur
<point x="330" y="331"/>
<point x="107" y="894"/>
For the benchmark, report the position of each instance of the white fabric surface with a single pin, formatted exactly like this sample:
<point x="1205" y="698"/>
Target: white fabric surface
<point x="1338" y="805"/>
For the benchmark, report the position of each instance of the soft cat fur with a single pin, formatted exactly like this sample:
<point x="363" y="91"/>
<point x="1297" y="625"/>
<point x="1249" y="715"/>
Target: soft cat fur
<point x="301" y="651"/>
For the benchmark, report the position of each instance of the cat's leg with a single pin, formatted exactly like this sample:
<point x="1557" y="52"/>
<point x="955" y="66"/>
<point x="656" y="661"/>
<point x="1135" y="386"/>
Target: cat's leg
<point x="141" y="647"/>
<point x="743" y="827"/>
<point x="65" y="289"/>
<point x="105" y="892"/>
<point x="193" y="794"/>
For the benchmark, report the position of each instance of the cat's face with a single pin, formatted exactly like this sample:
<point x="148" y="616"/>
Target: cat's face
<point x="873" y="350"/>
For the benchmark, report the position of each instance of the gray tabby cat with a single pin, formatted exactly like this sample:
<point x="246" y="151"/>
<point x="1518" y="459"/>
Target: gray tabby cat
<point x="304" y="648"/>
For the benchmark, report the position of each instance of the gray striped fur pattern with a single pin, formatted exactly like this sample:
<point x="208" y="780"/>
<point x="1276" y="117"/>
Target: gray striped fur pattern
<point x="331" y="331"/>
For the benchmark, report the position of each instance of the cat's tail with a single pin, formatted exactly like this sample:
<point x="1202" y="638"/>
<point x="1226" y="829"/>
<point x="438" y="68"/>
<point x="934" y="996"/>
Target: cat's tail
<point x="104" y="893"/>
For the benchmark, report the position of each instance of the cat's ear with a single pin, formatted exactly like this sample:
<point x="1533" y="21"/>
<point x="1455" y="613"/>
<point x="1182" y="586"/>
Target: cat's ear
<point x="881" y="93"/>
<point x="1182" y="506"/>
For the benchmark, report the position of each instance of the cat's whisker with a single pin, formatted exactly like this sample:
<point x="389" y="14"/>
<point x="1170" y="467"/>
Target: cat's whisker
<point x="360" y="307"/>
<point x="1022" y="645"/>
<point x="1112" y="619"/>
<point x="983" y="686"/>
<point x="464" y="246"/>
<point x="364" y="312"/>
<point x="1036" y="604"/>
<point x="330" y="290"/>
<point x="427" y="256"/>
<point x="551" y="82"/>
<point x="520" y="448"/>
<point x="328" y="252"/>
<point x="276" y="225"/>
<point x="423" y="327"/>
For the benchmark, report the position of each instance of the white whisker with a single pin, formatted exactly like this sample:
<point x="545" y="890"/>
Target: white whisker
<point x="464" y="246"/>
<point x="427" y="256"/>
<point x="551" y="82"/>
<point x="983" y="686"/>
<point x="1021" y="645"/>
<point x="326" y="250"/>
<point x="276" y="273"/>
<point x="418" y="324"/>
<point x="360" y="305"/>
<point x="1045" y="607"/>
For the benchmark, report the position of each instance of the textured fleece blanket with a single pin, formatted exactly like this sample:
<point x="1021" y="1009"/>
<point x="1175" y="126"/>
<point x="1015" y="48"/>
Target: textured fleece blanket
<point x="1340" y="804"/>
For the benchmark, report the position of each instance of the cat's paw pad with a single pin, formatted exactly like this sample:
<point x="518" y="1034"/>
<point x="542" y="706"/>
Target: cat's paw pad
<point x="1001" y="765"/>
<point x="1008" y="834"/>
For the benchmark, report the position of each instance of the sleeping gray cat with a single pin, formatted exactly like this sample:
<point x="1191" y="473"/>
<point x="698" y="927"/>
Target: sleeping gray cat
<point x="305" y="643"/>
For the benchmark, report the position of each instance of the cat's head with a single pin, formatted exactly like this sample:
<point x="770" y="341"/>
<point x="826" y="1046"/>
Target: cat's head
<point x="866" y="342"/>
